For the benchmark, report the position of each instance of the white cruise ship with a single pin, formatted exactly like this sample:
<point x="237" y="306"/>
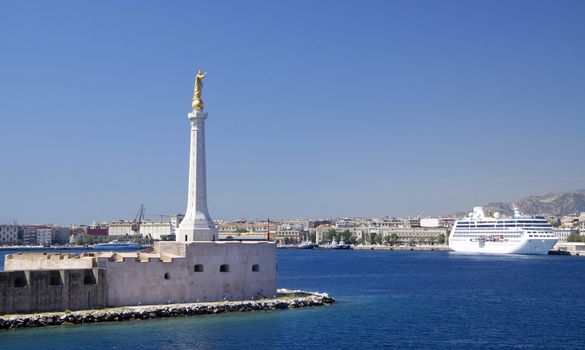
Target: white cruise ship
<point x="519" y="234"/>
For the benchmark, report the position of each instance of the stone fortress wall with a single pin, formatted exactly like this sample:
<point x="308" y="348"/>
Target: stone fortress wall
<point x="52" y="290"/>
<point x="175" y="272"/>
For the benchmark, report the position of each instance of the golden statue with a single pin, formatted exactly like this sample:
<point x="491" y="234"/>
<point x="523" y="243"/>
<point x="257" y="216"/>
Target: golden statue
<point x="197" y="101"/>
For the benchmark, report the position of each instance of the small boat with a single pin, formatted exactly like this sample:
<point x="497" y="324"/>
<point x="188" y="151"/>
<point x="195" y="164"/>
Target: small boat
<point x="342" y="245"/>
<point x="334" y="245"/>
<point x="115" y="245"/>
<point x="306" y="245"/>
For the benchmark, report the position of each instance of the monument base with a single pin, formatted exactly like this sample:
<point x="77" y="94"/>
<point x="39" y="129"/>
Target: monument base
<point x="184" y="234"/>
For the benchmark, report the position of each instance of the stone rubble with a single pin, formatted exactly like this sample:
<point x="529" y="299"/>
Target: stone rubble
<point x="286" y="299"/>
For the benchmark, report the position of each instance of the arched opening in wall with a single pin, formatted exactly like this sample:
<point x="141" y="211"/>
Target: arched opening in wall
<point x="167" y="276"/>
<point x="224" y="268"/>
<point x="19" y="280"/>
<point x="198" y="268"/>
<point x="255" y="268"/>
<point x="89" y="277"/>
<point x="55" y="278"/>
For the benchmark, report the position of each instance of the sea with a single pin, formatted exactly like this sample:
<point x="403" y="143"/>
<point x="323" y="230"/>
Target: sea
<point x="385" y="299"/>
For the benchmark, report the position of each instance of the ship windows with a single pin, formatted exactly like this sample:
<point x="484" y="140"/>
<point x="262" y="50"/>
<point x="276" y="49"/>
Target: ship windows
<point x="198" y="268"/>
<point x="255" y="268"/>
<point x="224" y="268"/>
<point x="167" y="276"/>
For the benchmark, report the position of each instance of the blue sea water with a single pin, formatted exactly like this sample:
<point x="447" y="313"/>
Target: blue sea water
<point x="385" y="299"/>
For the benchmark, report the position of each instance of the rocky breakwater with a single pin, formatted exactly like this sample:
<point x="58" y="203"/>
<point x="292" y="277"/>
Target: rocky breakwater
<point x="286" y="299"/>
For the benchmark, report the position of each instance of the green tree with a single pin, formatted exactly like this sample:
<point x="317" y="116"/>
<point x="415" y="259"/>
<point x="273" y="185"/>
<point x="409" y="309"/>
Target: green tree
<point x="331" y="235"/>
<point x="379" y="239"/>
<point x="441" y="239"/>
<point x="394" y="238"/>
<point x="241" y="230"/>
<point x="387" y="239"/>
<point x="372" y="238"/>
<point x="88" y="239"/>
<point x="286" y="240"/>
<point x="313" y="237"/>
<point x="345" y="236"/>
<point x="573" y="238"/>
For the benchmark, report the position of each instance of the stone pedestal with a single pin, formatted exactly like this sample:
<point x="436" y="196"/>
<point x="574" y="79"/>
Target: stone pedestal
<point x="197" y="224"/>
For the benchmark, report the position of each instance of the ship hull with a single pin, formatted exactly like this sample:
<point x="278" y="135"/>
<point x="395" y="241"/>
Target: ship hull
<point x="529" y="246"/>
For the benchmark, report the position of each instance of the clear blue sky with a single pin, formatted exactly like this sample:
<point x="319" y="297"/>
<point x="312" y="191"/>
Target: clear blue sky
<point x="316" y="108"/>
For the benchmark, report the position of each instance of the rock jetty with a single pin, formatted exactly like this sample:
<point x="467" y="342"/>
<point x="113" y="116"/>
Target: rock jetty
<point x="286" y="299"/>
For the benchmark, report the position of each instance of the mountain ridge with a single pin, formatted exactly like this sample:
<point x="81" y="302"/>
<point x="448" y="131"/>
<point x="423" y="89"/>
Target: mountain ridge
<point x="550" y="204"/>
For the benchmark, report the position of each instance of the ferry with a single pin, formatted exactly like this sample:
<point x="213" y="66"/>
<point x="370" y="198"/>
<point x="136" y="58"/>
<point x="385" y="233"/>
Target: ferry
<point x="520" y="234"/>
<point x="115" y="245"/>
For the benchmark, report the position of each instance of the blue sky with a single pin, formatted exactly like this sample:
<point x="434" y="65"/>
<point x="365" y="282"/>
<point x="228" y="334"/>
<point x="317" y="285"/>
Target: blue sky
<point x="316" y="108"/>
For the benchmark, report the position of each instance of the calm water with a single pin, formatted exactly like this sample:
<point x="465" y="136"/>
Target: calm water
<point x="406" y="300"/>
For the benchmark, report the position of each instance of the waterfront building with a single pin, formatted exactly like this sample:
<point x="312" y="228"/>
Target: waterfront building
<point x="320" y="232"/>
<point x="582" y="224"/>
<point x="289" y="236"/>
<point x="243" y="226"/>
<point x="302" y="224"/>
<point x="37" y="235"/>
<point x="96" y="231"/>
<point x="156" y="229"/>
<point x="60" y="235"/>
<point x="243" y="236"/>
<point x="175" y="222"/>
<point x="345" y="223"/>
<point x="120" y="228"/>
<point x="563" y="234"/>
<point x="44" y="236"/>
<point x="430" y="222"/>
<point x="8" y="234"/>
<point x="403" y="234"/>
<point x="570" y="221"/>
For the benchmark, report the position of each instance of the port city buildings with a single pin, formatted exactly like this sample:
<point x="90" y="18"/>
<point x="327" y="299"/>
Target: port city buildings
<point x="281" y="231"/>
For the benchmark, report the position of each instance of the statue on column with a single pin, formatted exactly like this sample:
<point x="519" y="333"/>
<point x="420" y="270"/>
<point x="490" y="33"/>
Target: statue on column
<point x="197" y="101"/>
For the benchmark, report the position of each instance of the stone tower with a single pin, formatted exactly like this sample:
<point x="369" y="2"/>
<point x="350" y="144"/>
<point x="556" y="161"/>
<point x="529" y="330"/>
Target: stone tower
<point x="197" y="224"/>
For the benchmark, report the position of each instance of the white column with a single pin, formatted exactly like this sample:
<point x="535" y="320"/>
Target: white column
<point x="197" y="224"/>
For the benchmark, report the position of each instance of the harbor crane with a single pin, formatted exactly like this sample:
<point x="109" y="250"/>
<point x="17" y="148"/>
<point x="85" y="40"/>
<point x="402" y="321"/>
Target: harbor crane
<point x="138" y="220"/>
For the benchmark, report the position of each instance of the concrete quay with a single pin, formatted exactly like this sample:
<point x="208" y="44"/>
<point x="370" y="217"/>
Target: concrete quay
<point x="286" y="299"/>
<point x="418" y="247"/>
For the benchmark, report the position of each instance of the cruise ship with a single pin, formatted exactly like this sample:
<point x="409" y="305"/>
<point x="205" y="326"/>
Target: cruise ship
<point x="520" y="234"/>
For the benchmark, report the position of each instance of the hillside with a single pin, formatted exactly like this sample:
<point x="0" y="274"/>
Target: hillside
<point x="549" y="204"/>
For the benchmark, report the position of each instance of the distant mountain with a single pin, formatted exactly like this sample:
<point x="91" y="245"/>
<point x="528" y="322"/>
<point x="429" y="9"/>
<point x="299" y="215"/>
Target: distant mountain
<point x="549" y="204"/>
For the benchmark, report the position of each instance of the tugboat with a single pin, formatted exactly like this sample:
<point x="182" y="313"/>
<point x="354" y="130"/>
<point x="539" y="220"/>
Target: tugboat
<point x="334" y="245"/>
<point x="306" y="245"/>
<point x="342" y="245"/>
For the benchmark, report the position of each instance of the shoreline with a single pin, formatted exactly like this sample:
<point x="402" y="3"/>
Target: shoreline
<point x="286" y="299"/>
<point x="21" y="247"/>
<point x="441" y="247"/>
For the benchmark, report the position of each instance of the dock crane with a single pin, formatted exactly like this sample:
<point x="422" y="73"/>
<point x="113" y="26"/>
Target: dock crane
<point x="138" y="220"/>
